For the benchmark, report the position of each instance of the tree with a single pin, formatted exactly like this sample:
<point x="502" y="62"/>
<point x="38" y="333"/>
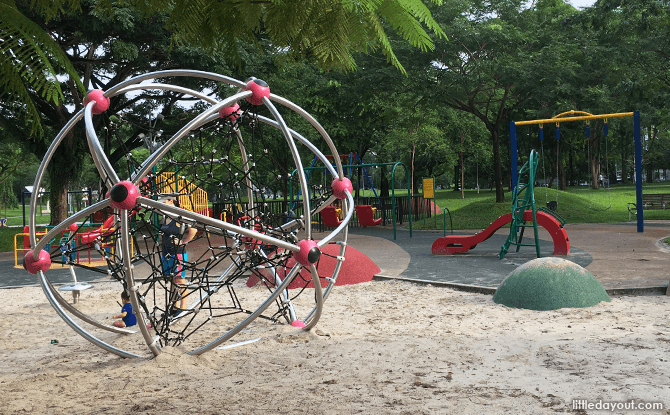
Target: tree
<point x="326" y="31"/>
<point x="107" y="43"/>
<point x="29" y="63"/>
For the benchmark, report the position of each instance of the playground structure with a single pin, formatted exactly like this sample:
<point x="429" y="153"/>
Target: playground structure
<point x="458" y="244"/>
<point x="376" y="211"/>
<point x="571" y="116"/>
<point x="523" y="212"/>
<point x="72" y="246"/>
<point x="223" y="148"/>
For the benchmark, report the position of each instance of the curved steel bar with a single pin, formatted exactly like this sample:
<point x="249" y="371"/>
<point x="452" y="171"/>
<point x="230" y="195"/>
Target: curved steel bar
<point x="336" y="273"/>
<point x="217" y="223"/>
<point x="306" y="142"/>
<point x="298" y="164"/>
<point x="153" y="159"/>
<point x="168" y="87"/>
<point x="285" y="294"/>
<point x="289" y="278"/>
<point x="67" y="306"/>
<point x="304" y="114"/>
<point x="130" y="283"/>
<point x="103" y="165"/>
<point x="174" y="72"/>
<point x="328" y="202"/>
<point x="40" y="175"/>
<point x="315" y="315"/>
<point x="75" y="326"/>
<point x="69" y="221"/>
<point x="348" y="214"/>
<point x="328" y="165"/>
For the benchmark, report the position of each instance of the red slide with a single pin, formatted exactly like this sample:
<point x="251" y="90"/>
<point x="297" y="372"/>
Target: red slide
<point x="453" y="244"/>
<point x="106" y="228"/>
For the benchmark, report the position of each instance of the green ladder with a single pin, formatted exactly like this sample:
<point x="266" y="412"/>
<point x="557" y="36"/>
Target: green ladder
<point x="523" y="200"/>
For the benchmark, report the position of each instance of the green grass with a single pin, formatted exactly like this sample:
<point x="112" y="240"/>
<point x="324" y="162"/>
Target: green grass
<point x="7" y="239"/>
<point x="576" y="205"/>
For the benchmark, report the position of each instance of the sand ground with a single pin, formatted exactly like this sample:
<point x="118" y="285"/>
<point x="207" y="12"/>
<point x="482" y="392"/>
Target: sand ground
<point x="380" y="347"/>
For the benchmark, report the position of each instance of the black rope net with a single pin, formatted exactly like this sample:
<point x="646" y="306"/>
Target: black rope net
<point x="206" y="287"/>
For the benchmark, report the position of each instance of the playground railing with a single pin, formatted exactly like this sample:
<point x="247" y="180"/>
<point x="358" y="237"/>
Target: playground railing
<point x="25" y="247"/>
<point x="76" y="244"/>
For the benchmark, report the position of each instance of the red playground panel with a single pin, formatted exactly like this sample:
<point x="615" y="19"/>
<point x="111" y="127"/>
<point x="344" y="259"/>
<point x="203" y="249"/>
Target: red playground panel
<point x="453" y="244"/>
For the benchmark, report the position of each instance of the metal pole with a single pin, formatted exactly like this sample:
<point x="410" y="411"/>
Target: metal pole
<point x="513" y="155"/>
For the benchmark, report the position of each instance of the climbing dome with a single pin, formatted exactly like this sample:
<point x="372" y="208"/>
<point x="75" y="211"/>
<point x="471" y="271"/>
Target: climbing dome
<point x="220" y="167"/>
<point x="548" y="284"/>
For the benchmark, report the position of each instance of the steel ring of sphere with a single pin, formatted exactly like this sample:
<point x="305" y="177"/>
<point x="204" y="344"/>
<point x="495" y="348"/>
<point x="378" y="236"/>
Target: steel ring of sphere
<point x="196" y="276"/>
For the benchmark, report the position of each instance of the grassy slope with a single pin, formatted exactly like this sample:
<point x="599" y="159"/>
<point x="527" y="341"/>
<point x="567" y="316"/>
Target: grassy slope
<point x="576" y="205"/>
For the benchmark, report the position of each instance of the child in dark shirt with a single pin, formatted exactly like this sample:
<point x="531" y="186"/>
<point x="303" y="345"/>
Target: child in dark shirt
<point x="127" y="316"/>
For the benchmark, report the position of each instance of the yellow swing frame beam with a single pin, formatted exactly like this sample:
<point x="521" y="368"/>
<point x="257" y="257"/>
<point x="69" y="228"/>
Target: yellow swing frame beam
<point x="585" y="116"/>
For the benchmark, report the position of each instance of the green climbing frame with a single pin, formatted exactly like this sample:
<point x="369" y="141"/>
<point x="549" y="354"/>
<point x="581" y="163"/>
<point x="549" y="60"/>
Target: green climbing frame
<point x="523" y="199"/>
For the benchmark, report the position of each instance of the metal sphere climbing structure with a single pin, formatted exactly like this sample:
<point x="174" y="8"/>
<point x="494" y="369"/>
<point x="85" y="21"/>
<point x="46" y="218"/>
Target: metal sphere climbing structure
<point x="204" y="299"/>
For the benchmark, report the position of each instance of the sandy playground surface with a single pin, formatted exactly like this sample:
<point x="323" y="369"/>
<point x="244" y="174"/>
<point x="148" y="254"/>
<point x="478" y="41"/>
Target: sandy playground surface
<point x="381" y="347"/>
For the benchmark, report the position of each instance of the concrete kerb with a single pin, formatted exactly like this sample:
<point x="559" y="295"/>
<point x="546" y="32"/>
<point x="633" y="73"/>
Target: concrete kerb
<point x="614" y="292"/>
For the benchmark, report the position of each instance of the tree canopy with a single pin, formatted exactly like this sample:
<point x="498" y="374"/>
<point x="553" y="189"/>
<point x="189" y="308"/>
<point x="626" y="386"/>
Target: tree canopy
<point x="449" y="79"/>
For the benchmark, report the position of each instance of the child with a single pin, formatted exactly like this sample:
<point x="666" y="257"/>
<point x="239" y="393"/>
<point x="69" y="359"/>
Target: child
<point x="127" y="315"/>
<point x="173" y="254"/>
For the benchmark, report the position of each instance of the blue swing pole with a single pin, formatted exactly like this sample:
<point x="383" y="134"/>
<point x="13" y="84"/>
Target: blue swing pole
<point x="297" y="197"/>
<point x="372" y="186"/>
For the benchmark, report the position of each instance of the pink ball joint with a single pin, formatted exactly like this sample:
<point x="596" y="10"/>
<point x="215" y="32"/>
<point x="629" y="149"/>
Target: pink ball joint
<point x="101" y="102"/>
<point x="260" y="90"/>
<point x="339" y="186"/>
<point x="42" y="263"/>
<point x="124" y="195"/>
<point x="309" y="252"/>
<point x="298" y="323"/>
<point x="231" y="113"/>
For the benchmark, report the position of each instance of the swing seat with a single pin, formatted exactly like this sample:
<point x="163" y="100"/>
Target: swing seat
<point x="330" y="217"/>
<point x="366" y="215"/>
<point x="552" y="204"/>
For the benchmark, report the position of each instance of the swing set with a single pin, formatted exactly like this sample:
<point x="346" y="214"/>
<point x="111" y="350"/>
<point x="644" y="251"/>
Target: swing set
<point x="332" y="215"/>
<point x="587" y="117"/>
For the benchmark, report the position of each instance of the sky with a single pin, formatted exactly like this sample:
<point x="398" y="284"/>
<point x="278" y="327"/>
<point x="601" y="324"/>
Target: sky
<point x="581" y="3"/>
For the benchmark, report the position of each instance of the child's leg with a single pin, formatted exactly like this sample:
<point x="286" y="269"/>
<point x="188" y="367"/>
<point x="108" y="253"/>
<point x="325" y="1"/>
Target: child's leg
<point x="181" y="302"/>
<point x="120" y="324"/>
<point x="180" y="280"/>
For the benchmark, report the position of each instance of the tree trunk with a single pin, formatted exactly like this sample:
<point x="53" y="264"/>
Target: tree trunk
<point x="571" y="166"/>
<point x="457" y="177"/>
<point x="561" y="169"/>
<point x="384" y="182"/>
<point x="622" y="143"/>
<point x="462" y="168"/>
<point x="61" y="170"/>
<point x="412" y="183"/>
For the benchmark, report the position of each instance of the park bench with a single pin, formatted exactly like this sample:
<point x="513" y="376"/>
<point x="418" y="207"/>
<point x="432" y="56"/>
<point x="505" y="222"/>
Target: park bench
<point x="650" y="202"/>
